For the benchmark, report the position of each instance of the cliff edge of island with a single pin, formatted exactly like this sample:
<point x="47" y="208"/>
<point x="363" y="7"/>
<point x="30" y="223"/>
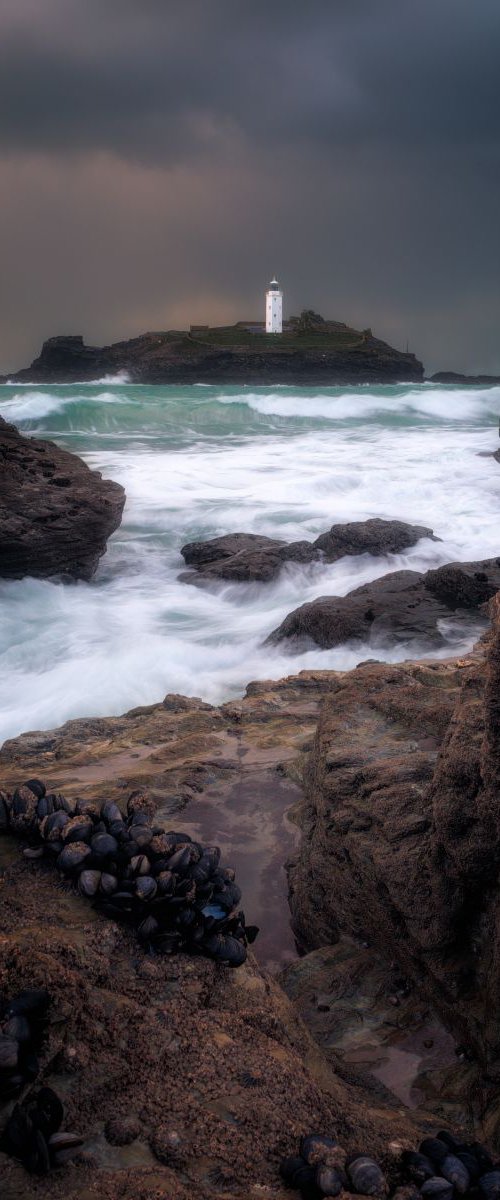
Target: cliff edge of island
<point x="320" y="351"/>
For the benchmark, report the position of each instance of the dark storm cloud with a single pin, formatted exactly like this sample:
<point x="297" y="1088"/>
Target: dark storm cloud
<point x="161" y="157"/>
<point x="159" y="81"/>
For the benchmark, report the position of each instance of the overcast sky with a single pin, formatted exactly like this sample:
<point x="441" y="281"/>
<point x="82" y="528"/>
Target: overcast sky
<point x="161" y="159"/>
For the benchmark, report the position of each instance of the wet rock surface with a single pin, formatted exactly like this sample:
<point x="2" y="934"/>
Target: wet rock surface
<point x="401" y="607"/>
<point x="56" y="515"/>
<point x="400" y="837"/>
<point x="188" y="1080"/>
<point x="247" y="556"/>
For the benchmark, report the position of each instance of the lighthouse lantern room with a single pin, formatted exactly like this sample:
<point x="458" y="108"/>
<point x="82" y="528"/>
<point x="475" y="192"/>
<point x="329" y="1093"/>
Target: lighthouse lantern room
<point x="274" y="308"/>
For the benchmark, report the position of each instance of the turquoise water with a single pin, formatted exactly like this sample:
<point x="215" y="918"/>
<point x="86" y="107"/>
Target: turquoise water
<point x="201" y="461"/>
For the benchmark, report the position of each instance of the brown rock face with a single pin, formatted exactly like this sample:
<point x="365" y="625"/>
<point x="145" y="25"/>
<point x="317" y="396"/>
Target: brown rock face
<point x="400" y="607"/>
<point x="401" y="832"/>
<point x="248" y="556"/>
<point x="56" y="515"/>
<point x="188" y="1082"/>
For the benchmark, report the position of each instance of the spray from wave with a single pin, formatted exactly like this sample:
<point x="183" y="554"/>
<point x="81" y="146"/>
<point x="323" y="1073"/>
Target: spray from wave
<point x="199" y="462"/>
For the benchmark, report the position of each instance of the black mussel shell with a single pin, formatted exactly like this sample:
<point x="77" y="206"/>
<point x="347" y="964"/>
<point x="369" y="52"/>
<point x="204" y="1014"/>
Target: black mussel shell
<point x="483" y="1159"/>
<point x="453" y="1169"/>
<point x="143" y="835"/>
<point x="36" y="786"/>
<point x="140" y="864"/>
<point x="166" y="882"/>
<point x="9" y="1053"/>
<point x="366" y="1176"/>
<point x="49" y="1111"/>
<point x="108" y="883"/>
<point x="139" y="818"/>
<point x="36" y="1156"/>
<point x="449" y="1140"/>
<point x="418" y="1166"/>
<point x="119" y="830"/>
<point x="179" y="860"/>
<point x="178" y="839"/>
<point x="147" y="929"/>
<point x="4" y="811"/>
<point x="316" y="1149"/>
<point x="225" y="949"/>
<point x="251" y="932"/>
<point x="110" y="812"/>
<point x="168" y="943"/>
<point x="77" y="829"/>
<point x="29" y="1065"/>
<point x="437" y="1188"/>
<point x="490" y="1185"/>
<point x="30" y="1001"/>
<point x="88" y="882"/>
<point x="53" y="824"/>
<point x="72" y="857"/>
<point x="104" y="845"/>
<point x="17" y="1027"/>
<point x="328" y="1180"/>
<point x="18" y="1130"/>
<point x="289" y="1167"/>
<point x="64" y="805"/>
<point x="434" y="1149"/>
<point x="186" y="888"/>
<point x="45" y="807"/>
<point x="145" y="887"/>
<point x="469" y="1160"/>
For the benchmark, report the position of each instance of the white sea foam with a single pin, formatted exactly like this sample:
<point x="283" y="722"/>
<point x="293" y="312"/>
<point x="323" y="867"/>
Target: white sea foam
<point x="36" y="405"/>
<point x="137" y="632"/>
<point x="453" y="404"/>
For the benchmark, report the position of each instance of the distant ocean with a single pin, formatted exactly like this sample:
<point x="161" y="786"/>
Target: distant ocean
<point x="201" y="461"/>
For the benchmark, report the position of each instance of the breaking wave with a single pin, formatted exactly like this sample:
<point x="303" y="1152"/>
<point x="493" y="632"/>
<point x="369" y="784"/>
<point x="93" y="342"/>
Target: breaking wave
<point x="197" y="462"/>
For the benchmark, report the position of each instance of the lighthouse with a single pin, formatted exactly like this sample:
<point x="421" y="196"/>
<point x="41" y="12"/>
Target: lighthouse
<point x="274" y="308"/>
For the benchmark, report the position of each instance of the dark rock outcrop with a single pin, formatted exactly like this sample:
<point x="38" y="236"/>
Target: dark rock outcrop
<point x="401" y="837"/>
<point x="454" y="377"/>
<point x="56" y="515"/>
<point x="375" y="536"/>
<point x="233" y="354"/>
<point x="248" y="556"/>
<point x="400" y="607"/>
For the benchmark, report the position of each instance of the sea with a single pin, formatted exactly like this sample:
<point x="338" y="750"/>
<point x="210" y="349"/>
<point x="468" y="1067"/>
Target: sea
<point x="200" y="461"/>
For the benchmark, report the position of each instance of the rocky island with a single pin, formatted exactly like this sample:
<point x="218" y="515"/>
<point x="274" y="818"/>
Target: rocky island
<point x="309" y="351"/>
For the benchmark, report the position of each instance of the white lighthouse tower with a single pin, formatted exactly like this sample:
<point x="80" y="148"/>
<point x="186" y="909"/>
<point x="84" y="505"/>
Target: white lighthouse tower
<point x="274" y="308"/>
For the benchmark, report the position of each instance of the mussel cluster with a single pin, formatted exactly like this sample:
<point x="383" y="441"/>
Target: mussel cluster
<point x="443" y="1167"/>
<point x="322" y="1169"/>
<point x="34" y="1135"/>
<point x="22" y="1025"/>
<point x="172" y="889"/>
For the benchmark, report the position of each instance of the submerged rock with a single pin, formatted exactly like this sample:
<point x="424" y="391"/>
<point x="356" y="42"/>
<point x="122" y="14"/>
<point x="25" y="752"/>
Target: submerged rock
<point x="403" y="606"/>
<point x="56" y="515"/>
<point x="248" y="556"/>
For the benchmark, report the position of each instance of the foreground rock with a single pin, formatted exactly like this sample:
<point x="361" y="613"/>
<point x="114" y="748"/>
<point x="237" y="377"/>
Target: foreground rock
<point x="401" y="838"/>
<point x="56" y="515"/>
<point x="333" y="353"/>
<point x="402" y="607"/>
<point x="187" y="1080"/>
<point x="247" y="556"/>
